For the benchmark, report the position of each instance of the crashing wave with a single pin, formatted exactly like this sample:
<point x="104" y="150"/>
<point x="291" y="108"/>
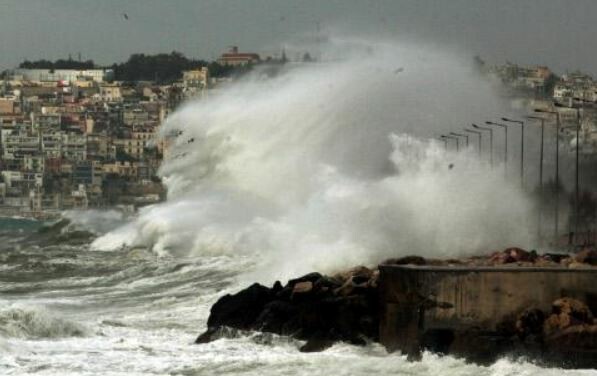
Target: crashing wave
<point x="36" y="322"/>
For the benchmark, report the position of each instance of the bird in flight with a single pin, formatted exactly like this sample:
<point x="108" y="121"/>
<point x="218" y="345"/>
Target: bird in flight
<point x="126" y="16"/>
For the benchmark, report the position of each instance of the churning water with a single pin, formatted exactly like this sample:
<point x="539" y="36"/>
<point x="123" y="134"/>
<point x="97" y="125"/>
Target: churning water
<point x="68" y="310"/>
<point x="320" y="167"/>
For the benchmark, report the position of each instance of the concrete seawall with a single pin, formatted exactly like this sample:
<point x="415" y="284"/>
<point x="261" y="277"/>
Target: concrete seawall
<point x="432" y="304"/>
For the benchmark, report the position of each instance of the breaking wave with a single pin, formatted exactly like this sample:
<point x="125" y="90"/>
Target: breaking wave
<point x="329" y="165"/>
<point x="35" y="322"/>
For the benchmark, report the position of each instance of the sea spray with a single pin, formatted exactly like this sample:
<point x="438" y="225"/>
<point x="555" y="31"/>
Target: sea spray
<point x="328" y="165"/>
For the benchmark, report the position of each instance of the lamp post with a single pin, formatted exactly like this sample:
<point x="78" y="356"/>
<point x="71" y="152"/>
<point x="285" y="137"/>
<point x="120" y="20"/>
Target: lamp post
<point x="542" y="120"/>
<point x="460" y="135"/>
<point x="557" y="177"/>
<point x="478" y="134"/>
<point x="505" y="143"/>
<point x="521" y="147"/>
<point x="490" y="141"/>
<point x="576" y="180"/>
<point x="452" y="138"/>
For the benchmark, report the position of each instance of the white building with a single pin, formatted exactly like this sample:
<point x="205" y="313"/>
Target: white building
<point x="70" y="75"/>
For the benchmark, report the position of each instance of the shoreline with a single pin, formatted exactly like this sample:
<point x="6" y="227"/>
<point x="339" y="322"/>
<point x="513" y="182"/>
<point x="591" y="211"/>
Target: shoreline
<point x="511" y="302"/>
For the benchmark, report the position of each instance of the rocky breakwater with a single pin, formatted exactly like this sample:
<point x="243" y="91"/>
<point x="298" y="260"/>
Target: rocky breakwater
<point x="316" y="308"/>
<point x="348" y="307"/>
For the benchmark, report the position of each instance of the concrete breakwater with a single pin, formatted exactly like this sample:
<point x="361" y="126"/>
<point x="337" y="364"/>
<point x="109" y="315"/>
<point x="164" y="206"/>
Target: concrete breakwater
<point x="483" y="313"/>
<point x="509" y="303"/>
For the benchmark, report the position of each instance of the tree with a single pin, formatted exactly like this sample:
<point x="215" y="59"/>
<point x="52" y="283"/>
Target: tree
<point x="58" y="64"/>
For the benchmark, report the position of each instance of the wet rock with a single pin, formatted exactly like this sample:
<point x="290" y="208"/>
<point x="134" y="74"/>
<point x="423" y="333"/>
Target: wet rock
<point x="574" y="338"/>
<point x="316" y="345"/>
<point x="567" y="312"/>
<point x="302" y="287"/>
<point x="512" y="255"/>
<point x="407" y="260"/>
<point x="530" y="322"/>
<point x="278" y="317"/>
<point x="314" y="307"/>
<point x="311" y="277"/>
<point x="587" y="256"/>
<point x="240" y="310"/>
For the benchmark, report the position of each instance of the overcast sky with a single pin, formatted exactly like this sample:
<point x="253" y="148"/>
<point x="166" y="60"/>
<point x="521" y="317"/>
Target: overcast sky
<point x="558" y="33"/>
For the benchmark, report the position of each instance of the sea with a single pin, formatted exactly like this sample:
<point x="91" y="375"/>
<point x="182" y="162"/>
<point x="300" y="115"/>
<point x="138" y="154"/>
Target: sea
<point x="66" y="309"/>
<point x="310" y="167"/>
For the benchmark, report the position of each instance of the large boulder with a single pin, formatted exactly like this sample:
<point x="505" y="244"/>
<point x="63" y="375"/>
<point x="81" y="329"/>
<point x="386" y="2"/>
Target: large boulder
<point x="241" y="309"/>
<point x="567" y="312"/>
<point x="587" y="256"/>
<point x="314" y="307"/>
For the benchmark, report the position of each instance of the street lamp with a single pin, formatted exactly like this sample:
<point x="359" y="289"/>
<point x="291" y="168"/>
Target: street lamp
<point x="452" y="138"/>
<point x="460" y="135"/>
<point x="542" y="120"/>
<point x="521" y="147"/>
<point x="443" y="138"/>
<point x="505" y="143"/>
<point x="478" y="134"/>
<point x="557" y="203"/>
<point x="576" y="183"/>
<point x="490" y="141"/>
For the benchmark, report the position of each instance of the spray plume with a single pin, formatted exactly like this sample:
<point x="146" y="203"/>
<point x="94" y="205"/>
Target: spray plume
<point x="328" y="165"/>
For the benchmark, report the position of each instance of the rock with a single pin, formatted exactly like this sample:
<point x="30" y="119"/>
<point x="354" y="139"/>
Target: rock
<point x="279" y="317"/>
<point x="567" y="312"/>
<point x="587" y="256"/>
<point x="241" y="309"/>
<point x="578" y="265"/>
<point x="530" y="322"/>
<point x="316" y="345"/>
<point x="311" y="277"/>
<point x="407" y="260"/>
<point x="574" y="338"/>
<point x="512" y="255"/>
<point x="302" y="287"/>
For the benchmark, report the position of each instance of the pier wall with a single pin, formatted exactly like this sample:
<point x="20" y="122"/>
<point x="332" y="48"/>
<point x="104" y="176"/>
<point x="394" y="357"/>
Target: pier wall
<point x="417" y="300"/>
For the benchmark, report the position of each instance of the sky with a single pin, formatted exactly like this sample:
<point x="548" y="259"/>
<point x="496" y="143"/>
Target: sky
<point x="557" y="33"/>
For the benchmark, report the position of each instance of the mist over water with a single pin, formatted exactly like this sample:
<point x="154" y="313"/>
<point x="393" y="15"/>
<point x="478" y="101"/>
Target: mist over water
<point x="328" y="165"/>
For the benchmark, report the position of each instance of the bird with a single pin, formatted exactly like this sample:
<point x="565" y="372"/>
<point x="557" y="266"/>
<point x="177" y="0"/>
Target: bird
<point x="126" y="16"/>
<point x="399" y="70"/>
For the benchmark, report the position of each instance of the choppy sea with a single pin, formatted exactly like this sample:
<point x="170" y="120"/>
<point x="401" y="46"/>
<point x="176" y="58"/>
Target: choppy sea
<point x="68" y="310"/>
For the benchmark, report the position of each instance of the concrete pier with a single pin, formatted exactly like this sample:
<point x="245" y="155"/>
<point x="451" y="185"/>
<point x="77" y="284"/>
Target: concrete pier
<point x="436" y="303"/>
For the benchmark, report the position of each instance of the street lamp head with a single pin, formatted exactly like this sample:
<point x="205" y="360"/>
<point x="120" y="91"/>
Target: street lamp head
<point x="534" y="117"/>
<point x="506" y="119"/>
<point x="489" y="122"/>
<point x="475" y="125"/>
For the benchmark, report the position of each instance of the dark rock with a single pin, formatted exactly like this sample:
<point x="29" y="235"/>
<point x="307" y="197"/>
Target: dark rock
<point x="567" y="312"/>
<point x="311" y="277"/>
<point x="587" y="256"/>
<point x="316" y="345"/>
<point x="277" y="287"/>
<point x="277" y="317"/>
<point x="302" y="287"/>
<point x="241" y="309"/>
<point x="530" y="322"/>
<point x="407" y="260"/>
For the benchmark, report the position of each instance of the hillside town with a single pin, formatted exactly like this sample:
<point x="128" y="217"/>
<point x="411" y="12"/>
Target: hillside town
<point x="572" y="96"/>
<point x="82" y="138"/>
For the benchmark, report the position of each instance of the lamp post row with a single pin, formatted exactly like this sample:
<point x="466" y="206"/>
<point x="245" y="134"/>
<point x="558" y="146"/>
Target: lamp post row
<point x="478" y="130"/>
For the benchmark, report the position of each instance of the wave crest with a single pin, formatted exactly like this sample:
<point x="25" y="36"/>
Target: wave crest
<point x="36" y="322"/>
